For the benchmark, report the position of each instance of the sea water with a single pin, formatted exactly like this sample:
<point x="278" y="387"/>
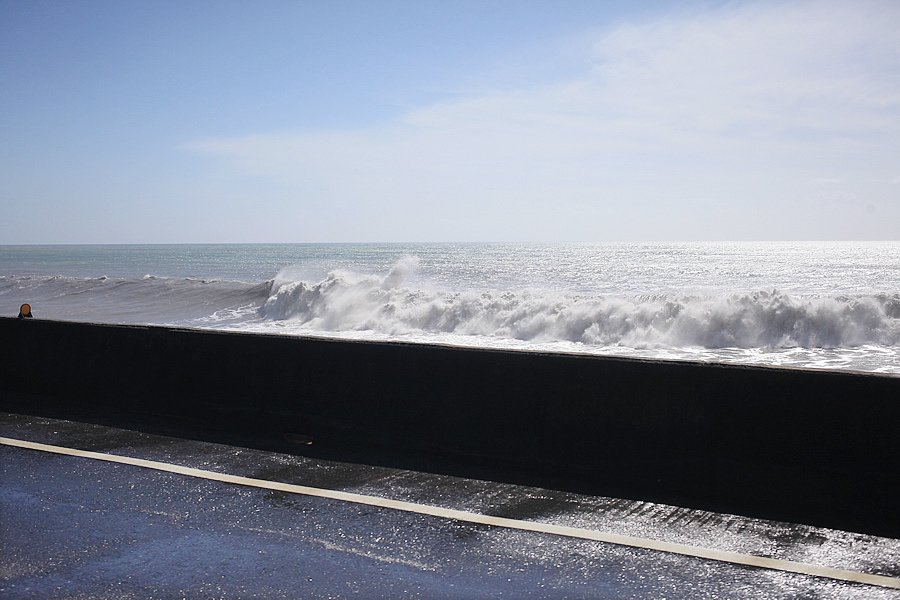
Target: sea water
<point x="828" y="305"/>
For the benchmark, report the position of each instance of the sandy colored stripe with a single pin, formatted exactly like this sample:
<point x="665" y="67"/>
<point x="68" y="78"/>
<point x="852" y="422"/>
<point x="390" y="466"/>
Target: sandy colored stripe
<point x="469" y="517"/>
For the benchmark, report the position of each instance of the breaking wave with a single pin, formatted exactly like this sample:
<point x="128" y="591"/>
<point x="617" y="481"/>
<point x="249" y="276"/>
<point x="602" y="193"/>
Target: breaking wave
<point x="346" y="301"/>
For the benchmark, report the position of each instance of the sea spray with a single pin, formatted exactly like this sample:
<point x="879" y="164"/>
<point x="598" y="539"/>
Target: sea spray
<point x="346" y="301"/>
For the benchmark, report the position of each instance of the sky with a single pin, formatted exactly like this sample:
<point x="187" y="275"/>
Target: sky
<point x="451" y="120"/>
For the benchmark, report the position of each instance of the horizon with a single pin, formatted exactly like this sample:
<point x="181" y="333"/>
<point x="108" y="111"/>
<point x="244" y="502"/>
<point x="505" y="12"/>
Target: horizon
<point x="456" y="242"/>
<point x="510" y="122"/>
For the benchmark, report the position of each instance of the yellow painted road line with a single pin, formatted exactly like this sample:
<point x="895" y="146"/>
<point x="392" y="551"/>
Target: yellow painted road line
<point x="469" y="517"/>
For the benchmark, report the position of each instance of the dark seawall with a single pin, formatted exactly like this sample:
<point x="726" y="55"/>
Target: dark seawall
<point x="804" y="446"/>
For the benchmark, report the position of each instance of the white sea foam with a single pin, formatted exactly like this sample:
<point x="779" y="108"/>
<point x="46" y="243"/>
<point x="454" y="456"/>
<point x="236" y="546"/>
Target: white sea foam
<point x="346" y="301"/>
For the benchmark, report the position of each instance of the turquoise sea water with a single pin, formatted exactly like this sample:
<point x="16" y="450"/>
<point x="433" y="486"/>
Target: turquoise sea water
<point x="833" y="305"/>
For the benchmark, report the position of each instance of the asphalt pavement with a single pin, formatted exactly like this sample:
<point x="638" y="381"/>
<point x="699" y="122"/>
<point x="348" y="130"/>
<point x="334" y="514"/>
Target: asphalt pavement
<point x="80" y="527"/>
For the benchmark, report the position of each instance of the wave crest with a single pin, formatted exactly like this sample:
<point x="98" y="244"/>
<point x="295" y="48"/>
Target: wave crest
<point x="346" y="301"/>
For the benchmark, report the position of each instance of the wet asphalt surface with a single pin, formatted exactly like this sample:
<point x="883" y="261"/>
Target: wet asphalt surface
<point x="78" y="528"/>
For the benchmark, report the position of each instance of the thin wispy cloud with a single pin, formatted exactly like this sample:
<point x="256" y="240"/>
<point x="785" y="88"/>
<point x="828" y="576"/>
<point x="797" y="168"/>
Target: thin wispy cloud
<point x="692" y="125"/>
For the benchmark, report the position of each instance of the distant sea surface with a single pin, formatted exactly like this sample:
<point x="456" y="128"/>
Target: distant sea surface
<point x="829" y="305"/>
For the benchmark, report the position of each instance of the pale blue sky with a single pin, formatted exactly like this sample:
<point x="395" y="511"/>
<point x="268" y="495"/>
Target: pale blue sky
<point x="448" y="121"/>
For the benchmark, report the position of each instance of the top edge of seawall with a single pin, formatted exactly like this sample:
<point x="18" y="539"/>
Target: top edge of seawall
<point x="326" y="339"/>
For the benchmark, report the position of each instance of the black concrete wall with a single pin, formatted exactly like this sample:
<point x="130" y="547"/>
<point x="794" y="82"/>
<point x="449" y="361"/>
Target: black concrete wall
<point x="803" y="446"/>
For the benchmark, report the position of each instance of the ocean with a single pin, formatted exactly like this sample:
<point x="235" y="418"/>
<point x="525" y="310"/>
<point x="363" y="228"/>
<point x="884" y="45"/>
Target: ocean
<point x="821" y="305"/>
